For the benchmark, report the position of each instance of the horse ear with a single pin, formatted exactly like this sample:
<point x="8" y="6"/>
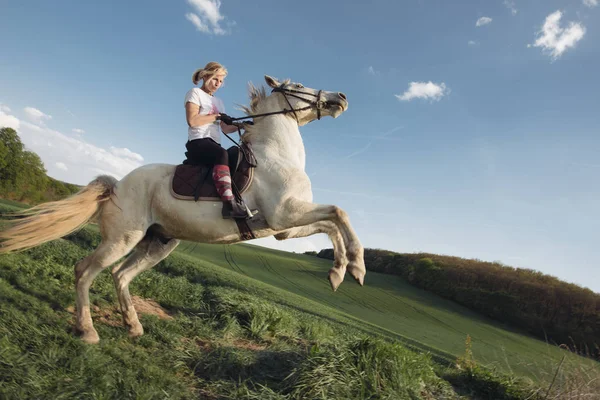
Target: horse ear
<point x="272" y="81"/>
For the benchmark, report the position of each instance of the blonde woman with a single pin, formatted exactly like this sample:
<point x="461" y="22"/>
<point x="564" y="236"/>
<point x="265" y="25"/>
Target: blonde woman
<point x="206" y="118"/>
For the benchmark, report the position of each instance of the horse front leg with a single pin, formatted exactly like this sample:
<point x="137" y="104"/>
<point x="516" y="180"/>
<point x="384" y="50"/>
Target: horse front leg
<point x="336" y="273"/>
<point x="295" y="213"/>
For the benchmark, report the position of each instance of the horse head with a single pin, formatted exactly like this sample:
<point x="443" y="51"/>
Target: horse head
<point x="304" y="104"/>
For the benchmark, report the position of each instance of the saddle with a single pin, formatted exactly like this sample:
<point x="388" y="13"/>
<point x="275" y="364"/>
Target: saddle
<point x="193" y="180"/>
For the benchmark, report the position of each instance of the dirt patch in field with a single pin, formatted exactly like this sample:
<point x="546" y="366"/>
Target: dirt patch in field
<point x="112" y="316"/>
<point x="248" y="345"/>
<point x="239" y="343"/>
<point x="149" y="306"/>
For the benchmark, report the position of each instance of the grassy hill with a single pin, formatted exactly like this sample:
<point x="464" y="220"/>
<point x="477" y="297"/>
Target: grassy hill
<point x="389" y="306"/>
<point x="241" y="321"/>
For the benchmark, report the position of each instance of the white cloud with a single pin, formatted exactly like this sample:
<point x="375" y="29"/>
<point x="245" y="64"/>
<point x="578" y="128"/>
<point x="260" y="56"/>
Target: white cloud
<point x="36" y="116"/>
<point x="483" y="21"/>
<point x="194" y="19"/>
<point x="207" y="17"/>
<point x="554" y="39"/>
<point x="424" y="90"/>
<point x="58" y="150"/>
<point x="472" y="43"/>
<point x="77" y="130"/>
<point x="590" y="3"/>
<point x="511" y="6"/>
<point x="125" y="152"/>
<point x="6" y="120"/>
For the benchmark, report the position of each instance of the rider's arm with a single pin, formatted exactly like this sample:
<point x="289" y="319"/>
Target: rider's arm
<point x="228" y="128"/>
<point x="193" y="117"/>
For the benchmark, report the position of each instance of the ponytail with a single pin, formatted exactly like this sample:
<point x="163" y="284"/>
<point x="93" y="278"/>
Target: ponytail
<point x="210" y="69"/>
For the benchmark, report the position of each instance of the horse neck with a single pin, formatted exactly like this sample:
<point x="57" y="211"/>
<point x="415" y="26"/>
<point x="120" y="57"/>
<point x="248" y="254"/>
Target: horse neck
<point x="278" y="135"/>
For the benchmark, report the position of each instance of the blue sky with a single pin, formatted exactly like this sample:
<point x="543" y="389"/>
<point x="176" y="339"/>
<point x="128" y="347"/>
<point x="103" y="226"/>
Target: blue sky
<point x="472" y="130"/>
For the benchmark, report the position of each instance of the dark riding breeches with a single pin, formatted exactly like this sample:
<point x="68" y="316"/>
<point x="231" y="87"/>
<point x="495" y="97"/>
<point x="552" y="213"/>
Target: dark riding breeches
<point x="206" y="151"/>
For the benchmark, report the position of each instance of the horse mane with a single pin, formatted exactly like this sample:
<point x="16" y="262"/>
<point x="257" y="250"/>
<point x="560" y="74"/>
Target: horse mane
<point x="256" y="96"/>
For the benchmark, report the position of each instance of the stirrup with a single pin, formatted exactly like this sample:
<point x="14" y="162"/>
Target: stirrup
<point x="228" y="211"/>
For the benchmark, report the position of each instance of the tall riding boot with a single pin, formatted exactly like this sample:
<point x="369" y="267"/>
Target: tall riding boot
<point x="232" y="208"/>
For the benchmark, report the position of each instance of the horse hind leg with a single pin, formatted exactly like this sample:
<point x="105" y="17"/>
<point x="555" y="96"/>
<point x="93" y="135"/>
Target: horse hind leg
<point x="149" y="252"/>
<point x="86" y="270"/>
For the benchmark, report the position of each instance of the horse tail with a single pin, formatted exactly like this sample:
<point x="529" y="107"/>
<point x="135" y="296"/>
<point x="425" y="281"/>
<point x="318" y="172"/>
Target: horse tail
<point x="53" y="220"/>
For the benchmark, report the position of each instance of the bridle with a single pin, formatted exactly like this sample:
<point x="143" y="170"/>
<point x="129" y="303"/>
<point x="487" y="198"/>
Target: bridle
<point x="318" y="104"/>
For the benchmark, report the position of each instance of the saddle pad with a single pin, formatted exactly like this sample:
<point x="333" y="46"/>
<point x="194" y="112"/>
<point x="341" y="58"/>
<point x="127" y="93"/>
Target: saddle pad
<point x="191" y="181"/>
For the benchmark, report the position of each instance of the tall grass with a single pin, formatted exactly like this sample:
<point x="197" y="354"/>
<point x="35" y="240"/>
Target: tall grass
<point x="221" y="343"/>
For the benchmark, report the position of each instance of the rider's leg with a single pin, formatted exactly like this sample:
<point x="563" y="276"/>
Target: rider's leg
<point x="212" y="153"/>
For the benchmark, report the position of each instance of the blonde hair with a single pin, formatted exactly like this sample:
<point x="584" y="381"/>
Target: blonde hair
<point x="209" y="70"/>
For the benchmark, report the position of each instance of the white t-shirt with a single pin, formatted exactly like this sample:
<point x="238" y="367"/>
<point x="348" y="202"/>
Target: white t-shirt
<point x="208" y="105"/>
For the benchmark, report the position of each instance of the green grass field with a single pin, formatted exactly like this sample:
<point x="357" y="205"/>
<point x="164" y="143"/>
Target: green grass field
<point x="250" y="322"/>
<point x="386" y="305"/>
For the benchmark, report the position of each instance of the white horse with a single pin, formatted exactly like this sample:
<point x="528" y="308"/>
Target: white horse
<point x="139" y="212"/>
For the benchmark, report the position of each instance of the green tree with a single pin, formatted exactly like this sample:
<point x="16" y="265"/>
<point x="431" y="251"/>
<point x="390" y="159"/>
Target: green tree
<point x="11" y="150"/>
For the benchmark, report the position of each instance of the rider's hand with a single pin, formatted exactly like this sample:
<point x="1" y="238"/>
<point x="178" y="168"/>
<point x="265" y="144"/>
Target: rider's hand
<point x="227" y="120"/>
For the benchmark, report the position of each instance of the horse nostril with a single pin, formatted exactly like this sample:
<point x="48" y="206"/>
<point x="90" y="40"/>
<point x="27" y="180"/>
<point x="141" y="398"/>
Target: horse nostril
<point x="342" y="95"/>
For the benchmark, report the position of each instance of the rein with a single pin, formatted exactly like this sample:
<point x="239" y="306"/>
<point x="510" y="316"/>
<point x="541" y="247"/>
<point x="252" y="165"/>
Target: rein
<point x="319" y="104"/>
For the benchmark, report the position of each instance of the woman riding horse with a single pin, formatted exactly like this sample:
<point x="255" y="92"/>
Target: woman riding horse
<point x="205" y="115"/>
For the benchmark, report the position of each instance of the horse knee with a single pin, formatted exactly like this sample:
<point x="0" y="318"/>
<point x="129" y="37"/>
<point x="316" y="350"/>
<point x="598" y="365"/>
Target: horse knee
<point x="282" y="236"/>
<point x="340" y="214"/>
<point x="355" y="252"/>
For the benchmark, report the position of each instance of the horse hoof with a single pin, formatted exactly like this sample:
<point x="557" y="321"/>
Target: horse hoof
<point x="90" y="337"/>
<point x="357" y="273"/>
<point x="335" y="279"/>
<point x="136" y="331"/>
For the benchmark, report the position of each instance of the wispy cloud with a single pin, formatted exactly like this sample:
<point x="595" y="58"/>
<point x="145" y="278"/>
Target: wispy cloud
<point x="472" y="43"/>
<point x="36" y="116"/>
<point x="207" y="17"/>
<point x="555" y="40"/>
<point x="373" y="71"/>
<point x="395" y="129"/>
<point x="384" y="136"/>
<point x="590" y="3"/>
<point x="511" y="6"/>
<point x="483" y="21"/>
<point x="344" y="193"/>
<point x="588" y="165"/>
<point x="359" y="151"/>
<point x="58" y="151"/>
<point x="79" y="131"/>
<point x="424" y="90"/>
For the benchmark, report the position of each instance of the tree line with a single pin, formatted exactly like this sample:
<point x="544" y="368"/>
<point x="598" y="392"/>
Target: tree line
<point x="23" y="176"/>
<point x="553" y="310"/>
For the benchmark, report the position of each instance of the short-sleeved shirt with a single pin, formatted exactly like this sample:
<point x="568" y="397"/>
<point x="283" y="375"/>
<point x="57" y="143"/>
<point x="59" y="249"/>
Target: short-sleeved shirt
<point x="208" y="105"/>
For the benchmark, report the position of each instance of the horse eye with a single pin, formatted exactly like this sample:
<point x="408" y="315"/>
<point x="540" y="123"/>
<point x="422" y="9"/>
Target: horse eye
<point x="299" y="86"/>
